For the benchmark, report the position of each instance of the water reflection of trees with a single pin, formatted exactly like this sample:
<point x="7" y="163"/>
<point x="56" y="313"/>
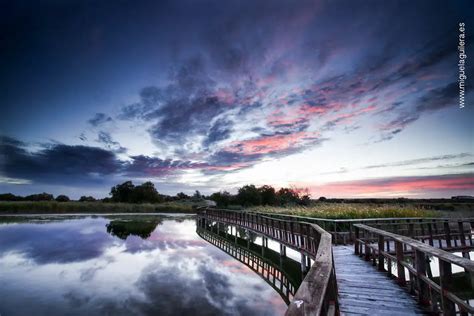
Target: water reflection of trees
<point x="124" y="228"/>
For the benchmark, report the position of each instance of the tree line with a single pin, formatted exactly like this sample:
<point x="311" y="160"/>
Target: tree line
<point x="42" y="197"/>
<point x="127" y="192"/>
<point x="250" y="195"/>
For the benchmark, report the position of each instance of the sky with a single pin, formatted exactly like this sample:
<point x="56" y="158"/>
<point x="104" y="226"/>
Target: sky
<point x="345" y="98"/>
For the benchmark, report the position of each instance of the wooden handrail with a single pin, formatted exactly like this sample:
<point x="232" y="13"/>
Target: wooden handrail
<point x="374" y="244"/>
<point x="342" y="229"/>
<point x="418" y="245"/>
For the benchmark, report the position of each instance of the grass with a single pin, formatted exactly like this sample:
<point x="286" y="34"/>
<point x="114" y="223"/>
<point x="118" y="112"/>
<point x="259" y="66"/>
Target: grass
<point x="351" y="210"/>
<point x="53" y="207"/>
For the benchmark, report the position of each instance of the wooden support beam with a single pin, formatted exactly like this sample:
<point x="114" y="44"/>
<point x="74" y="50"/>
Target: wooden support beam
<point x="447" y="232"/>
<point x="282" y="250"/>
<point x="445" y="272"/>
<point x="303" y="263"/>
<point x="356" y="241"/>
<point x="381" y="260"/>
<point x="400" y="268"/>
<point x="422" y="287"/>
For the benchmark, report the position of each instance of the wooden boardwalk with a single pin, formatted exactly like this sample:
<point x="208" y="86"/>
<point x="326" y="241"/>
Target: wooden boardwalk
<point x="365" y="291"/>
<point x="378" y="274"/>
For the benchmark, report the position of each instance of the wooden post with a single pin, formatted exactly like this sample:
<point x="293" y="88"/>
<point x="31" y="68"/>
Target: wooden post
<point x="282" y="250"/>
<point x="247" y="235"/>
<point x="411" y="232"/>
<point x="420" y="265"/>
<point x="356" y="241"/>
<point x="461" y="233"/>
<point x="445" y="272"/>
<point x="303" y="263"/>
<point x="430" y="232"/>
<point x="351" y="234"/>
<point x="366" y="251"/>
<point x="447" y="233"/>
<point x="400" y="269"/>
<point x="389" y="261"/>
<point x="428" y="267"/>
<point x="380" y="254"/>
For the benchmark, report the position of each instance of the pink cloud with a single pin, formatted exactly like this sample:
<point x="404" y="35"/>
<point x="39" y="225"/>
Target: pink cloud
<point x="271" y="144"/>
<point x="440" y="185"/>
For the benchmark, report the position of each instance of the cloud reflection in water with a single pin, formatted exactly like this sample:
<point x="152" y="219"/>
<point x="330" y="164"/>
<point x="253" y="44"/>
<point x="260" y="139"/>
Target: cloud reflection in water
<point x="75" y="267"/>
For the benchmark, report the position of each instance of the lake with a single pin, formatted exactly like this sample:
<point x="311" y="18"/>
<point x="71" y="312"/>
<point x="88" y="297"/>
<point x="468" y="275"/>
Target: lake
<point x="123" y="265"/>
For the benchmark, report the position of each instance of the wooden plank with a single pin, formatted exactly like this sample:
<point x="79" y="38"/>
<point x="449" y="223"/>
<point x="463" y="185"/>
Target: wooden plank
<point x="364" y="290"/>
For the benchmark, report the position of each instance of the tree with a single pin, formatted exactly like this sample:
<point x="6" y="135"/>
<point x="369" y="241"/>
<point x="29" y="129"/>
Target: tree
<point x="86" y="199"/>
<point x="145" y="193"/>
<point x="40" y="197"/>
<point x="182" y="196"/>
<point x="305" y="199"/>
<point x="268" y="195"/>
<point x="288" y="196"/>
<point x="222" y="199"/>
<point x="249" y="195"/>
<point x="122" y="192"/>
<point x="62" y="198"/>
<point x="10" y="197"/>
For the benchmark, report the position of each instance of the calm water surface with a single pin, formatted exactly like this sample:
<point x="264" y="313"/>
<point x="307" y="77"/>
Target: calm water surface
<point x="123" y="265"/>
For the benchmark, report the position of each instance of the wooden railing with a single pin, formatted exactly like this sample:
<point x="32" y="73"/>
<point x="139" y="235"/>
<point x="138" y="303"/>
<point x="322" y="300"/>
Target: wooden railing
<point x="449" y="234"/>
<point x="317" y="294"/>
<point x="410" y="255"/>
<point x="342" y="230"/>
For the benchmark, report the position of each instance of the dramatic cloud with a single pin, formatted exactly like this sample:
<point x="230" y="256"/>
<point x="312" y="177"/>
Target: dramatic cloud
<point x="211" y="90"/>
<point x="99" y="119"/>
<point x="105" y="139"/>
<point x="57" y="163"/>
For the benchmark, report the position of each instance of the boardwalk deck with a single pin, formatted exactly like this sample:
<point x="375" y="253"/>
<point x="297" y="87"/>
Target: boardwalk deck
<point x="365" y="291"/>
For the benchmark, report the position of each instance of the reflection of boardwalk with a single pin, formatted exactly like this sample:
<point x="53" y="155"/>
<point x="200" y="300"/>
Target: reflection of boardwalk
<point x="363" y="290"/>
<point x="265" y="268"/>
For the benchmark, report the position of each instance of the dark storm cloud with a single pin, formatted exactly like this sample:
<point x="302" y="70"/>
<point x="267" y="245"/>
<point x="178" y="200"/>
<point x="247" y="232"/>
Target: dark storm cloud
<point x="99" y="119"/>
<point x="57" y="163"/>
<point x="183" y="108"/>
